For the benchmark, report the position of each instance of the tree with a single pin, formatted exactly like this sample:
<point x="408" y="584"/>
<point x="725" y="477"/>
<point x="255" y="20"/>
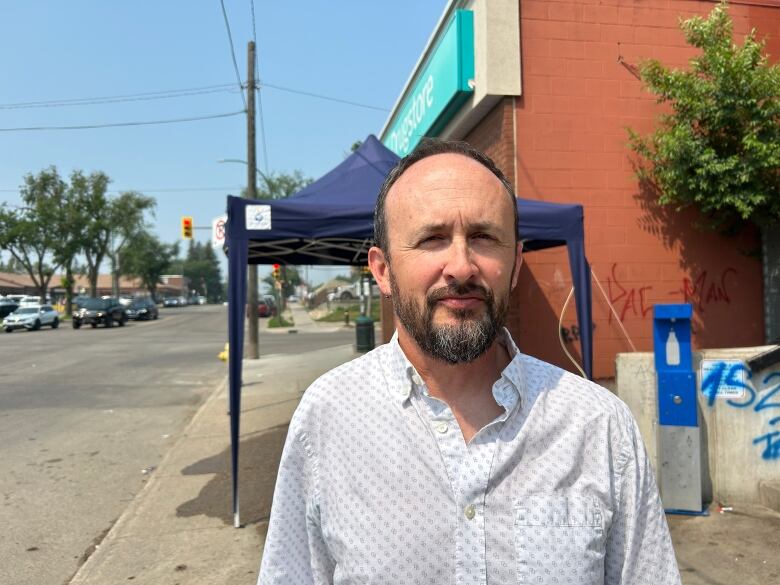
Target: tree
<point x="126" y="214"/>
<point x="13" y="266"/>
<point x="73" y="226"/>
<point x="719" y="147"/>
<point x="31" y="232"/>
<point x="147" y="258"/>
<point x="112" y="222"/>
<point x="202" y="268"/>
<point x="280" y="185"/>
<point x="291" y="278"/>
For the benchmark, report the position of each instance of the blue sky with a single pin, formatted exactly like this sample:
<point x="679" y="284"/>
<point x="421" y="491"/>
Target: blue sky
<point x="357" y="50"/>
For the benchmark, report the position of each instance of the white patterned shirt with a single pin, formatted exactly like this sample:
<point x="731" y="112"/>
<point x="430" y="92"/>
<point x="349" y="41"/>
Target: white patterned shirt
<point x="377" y="485"/>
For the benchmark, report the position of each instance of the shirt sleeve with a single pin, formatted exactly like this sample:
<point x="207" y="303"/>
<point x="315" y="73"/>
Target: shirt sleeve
<point x="294" y="551"/>
<point x="639" y="548"/>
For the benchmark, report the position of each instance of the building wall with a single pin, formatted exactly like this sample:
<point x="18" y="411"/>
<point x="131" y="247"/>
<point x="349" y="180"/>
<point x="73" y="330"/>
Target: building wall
<point x="580" y="93"/>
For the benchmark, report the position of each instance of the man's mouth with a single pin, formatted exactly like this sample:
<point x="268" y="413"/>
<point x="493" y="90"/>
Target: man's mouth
<point x="461" y="303"/>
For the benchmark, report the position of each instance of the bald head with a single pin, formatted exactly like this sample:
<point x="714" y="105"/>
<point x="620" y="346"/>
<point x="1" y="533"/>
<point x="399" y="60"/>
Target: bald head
<point x="429" y="148"/>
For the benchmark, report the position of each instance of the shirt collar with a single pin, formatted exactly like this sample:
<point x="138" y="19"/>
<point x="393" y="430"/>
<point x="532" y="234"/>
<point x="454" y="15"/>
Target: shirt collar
<point x="403" y="377"/>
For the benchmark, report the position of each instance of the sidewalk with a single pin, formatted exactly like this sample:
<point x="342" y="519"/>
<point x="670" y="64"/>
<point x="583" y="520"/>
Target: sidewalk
<point x="302" y="323"/>
<point x="179" y="529"/>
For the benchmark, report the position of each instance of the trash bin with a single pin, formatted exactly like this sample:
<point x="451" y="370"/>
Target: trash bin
<point x="364" y="330"/>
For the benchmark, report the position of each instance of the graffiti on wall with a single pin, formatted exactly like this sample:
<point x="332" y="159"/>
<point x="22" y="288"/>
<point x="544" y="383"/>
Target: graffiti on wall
<point x="627" y="300"/>
<point x="705" y="290"/>
<point x="701" y="291"/>
<point x="731" y="375"/>
<point x="571" y="333"/>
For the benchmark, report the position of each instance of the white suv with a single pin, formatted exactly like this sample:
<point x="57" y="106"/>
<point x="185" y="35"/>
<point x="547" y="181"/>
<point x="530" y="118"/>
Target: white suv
<point x="32" y="317"/>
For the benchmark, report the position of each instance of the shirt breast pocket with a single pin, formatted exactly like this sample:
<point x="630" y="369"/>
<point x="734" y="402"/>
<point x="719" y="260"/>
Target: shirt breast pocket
<point x="559" y="539"/>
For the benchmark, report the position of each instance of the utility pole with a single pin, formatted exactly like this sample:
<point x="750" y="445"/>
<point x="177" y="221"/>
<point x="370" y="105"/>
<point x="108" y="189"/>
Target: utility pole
<point x="251" y="193"/>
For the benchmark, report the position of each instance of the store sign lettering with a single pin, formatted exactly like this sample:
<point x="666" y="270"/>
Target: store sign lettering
<point x="421" y="103"/>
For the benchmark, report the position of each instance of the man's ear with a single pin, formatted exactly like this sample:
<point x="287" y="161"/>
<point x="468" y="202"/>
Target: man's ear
<point x="380" y="268"/>
<point x="518" y="263"/>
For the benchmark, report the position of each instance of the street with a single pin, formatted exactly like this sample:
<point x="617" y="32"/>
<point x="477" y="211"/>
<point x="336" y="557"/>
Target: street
<point x="86" y="415"/>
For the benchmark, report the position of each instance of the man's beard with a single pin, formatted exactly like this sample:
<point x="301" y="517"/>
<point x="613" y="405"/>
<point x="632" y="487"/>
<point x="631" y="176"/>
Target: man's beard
<point x="462" y="342"/>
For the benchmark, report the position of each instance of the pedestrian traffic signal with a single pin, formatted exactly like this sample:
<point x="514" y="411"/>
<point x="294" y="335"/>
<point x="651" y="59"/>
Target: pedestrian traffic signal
<point x="186" y="227"/>
<point x="277" y="272"/>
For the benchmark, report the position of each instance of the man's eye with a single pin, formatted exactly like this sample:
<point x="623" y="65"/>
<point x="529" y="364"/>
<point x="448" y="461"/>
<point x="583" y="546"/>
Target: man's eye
<point x="483" y="237"/>
<point x="431" y="239"/>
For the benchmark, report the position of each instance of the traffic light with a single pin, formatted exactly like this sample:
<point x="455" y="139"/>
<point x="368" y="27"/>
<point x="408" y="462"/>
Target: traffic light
<point x="277" y="272"/>
<point x="186" y="227"/>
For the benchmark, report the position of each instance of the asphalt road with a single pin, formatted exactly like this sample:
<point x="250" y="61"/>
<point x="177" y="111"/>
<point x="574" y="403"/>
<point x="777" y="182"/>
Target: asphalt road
<point x="86" y="415"/>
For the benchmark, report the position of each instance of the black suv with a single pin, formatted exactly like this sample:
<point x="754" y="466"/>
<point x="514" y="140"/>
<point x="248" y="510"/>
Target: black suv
<point x="142" y="309"/>
<point x="99" y="311"/>
<point x="7" y="307"/>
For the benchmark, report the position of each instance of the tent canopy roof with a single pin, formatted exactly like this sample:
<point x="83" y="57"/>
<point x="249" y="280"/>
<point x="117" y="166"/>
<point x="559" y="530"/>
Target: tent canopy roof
<point x="331" y="220"/>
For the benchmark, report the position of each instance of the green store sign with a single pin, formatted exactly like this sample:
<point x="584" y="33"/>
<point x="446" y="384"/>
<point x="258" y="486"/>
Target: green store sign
<point x="440" y="89"/>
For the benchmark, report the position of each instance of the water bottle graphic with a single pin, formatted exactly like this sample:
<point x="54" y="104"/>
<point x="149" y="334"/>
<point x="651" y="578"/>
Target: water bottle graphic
<point x="672" y="349"/>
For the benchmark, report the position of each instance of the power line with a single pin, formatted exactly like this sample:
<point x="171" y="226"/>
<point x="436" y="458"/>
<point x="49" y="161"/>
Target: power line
<point x="120" y="124"/>
<point x="173" y="93"/>
<point x="151" y="95"/>
<point x="325" y="97"/>
<point x="233" y="52"/>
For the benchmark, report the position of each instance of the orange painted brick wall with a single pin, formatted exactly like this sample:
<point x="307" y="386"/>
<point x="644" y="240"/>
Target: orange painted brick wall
<point x="580" y="92"/>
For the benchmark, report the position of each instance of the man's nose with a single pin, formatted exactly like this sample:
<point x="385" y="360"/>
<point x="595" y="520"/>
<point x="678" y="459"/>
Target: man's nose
<point x="460" y="265"/>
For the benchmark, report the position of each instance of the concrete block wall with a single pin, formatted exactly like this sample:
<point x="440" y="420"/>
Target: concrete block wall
<point x="740" y="442"/>
<point x="580" y="92"/>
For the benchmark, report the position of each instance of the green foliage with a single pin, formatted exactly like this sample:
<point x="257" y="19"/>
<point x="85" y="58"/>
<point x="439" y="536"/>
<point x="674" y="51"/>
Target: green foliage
<point x="291" y="278"/>
<point x="280" y="185"/>
<point x="147" y="258"/>
<point x="279" y="321"/>
<point x="202" y="268"/>
<point x="31" y="232"/>
<point x="13" y="266"/>
<point x="111" y="223"/>
<point x="719" y="147"/>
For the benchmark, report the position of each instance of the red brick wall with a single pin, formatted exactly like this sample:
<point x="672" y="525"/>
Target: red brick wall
<point x="494" y="136"/>
<point x="578" y="98"/>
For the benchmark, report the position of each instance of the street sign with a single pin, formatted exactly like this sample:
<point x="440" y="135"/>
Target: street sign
<point x="218" y="231"/>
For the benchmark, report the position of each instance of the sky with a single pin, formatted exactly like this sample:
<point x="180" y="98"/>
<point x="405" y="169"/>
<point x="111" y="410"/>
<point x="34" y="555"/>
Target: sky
<point x="360" y="51"/>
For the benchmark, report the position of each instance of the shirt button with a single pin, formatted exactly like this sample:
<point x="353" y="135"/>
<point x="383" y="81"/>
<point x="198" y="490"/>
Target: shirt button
<point x="442" y="428"/>
<point x="470" y="511"/>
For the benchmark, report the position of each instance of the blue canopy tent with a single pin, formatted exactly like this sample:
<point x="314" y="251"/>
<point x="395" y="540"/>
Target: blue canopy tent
<point x="331" y="222"/>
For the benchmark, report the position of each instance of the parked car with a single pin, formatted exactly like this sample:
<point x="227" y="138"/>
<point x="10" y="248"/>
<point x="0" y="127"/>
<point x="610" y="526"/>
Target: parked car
<point x="99" y="312"/>
<point x="263" y="309"/>
<point x="344" y="293"/>
<point x="7" y="306"/>
<point x="270" y="300"/>
<point x="141" y="309"/>
<point x="32" y="318"/>
<point x="171" y="302"/>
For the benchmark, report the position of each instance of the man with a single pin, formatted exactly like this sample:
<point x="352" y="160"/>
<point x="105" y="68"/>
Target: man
<point x="446" y="456"/>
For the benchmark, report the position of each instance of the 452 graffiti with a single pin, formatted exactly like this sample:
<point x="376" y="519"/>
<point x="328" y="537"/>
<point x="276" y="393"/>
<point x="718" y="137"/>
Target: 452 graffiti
<point x="736" y="375"/>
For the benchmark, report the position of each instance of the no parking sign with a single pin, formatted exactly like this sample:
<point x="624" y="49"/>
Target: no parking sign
<point x="218" y="231"/>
